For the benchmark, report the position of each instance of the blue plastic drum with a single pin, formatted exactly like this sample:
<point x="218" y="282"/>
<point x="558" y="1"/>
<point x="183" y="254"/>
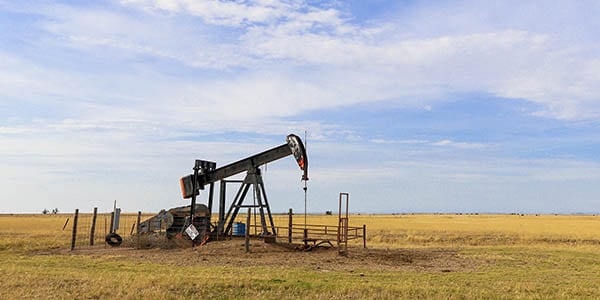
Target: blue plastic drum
<point x="239" y="228"/>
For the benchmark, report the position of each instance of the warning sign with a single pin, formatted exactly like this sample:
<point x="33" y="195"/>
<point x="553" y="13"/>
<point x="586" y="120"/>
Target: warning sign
<point x="192" y="232"/>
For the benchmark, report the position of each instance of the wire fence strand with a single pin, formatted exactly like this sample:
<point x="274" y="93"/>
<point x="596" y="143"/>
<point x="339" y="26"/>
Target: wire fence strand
<point x="85" y="237"/>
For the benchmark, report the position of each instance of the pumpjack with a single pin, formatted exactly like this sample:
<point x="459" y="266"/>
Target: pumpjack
<point x="206" y="173"/>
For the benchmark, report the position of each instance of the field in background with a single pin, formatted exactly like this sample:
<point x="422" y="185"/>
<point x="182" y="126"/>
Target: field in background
<point x="410" y="256"/>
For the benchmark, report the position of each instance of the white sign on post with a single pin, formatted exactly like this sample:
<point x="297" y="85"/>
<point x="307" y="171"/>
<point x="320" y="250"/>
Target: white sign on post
<point x="192" y="232"/>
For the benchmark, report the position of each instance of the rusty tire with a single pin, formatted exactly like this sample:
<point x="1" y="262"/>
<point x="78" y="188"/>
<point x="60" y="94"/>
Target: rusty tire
<point x="113" y="239"/>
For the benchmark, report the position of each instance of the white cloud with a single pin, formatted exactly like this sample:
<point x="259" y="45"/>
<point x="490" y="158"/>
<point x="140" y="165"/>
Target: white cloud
<point x="460" y="145"/>
<point x="228" y="13"/>
<point x="295" y="51"/>
<point x="441" y="143"/>
<point x="9" y="130"/>
<point x="139" y="81"/>
<point x="524" y="63"/>
<point x="392" y="142"/>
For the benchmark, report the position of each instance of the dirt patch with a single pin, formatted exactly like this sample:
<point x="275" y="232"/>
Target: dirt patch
<point x="232" y="253"/>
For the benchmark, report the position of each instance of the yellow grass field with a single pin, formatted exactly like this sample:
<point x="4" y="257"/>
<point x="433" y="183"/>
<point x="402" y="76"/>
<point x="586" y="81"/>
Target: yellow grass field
<point x="408" y="256"/>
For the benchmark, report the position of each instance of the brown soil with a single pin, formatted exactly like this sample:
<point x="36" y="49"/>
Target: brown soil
<point x="232" y="253"/>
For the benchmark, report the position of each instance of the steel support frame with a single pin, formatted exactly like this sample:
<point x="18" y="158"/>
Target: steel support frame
<point x="253" y="179"/>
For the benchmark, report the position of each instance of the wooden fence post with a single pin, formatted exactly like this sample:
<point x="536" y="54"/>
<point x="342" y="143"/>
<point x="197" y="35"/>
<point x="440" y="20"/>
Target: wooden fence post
<point x="365" y="236"/>
<point x="248" y="231"/>
<point x="66" y="222"/>
<point x="74" y="235"/>
<point x="139" y="219"/>
<point x="105" y="233"/>
<point x="93" y="230"/>
<point x="305" y="237"/>
<point x="290" y="214"/>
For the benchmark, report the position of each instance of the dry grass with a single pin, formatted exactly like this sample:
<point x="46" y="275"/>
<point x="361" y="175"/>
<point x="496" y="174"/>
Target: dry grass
<point x="409" y="230"/>
<point x="411" y="256"/>
<point x="477" y="230"/>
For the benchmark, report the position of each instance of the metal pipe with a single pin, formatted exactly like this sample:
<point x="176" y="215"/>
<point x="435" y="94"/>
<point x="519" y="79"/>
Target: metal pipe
<point x="193" y="205"/>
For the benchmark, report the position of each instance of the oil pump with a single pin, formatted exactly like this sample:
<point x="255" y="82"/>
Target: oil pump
<point x="206" y="173"/>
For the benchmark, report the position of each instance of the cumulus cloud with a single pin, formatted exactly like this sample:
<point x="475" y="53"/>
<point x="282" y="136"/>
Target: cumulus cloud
<point x="326" y="58"/>
<point x="459" y="53"/>
<point x="291" y="57"/>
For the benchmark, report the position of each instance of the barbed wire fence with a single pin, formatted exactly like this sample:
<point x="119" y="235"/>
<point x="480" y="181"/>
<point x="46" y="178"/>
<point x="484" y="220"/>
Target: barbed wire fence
<point x="92" y="228"/>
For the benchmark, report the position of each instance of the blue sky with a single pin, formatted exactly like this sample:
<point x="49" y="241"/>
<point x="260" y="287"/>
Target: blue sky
<point x="410" y="106"/>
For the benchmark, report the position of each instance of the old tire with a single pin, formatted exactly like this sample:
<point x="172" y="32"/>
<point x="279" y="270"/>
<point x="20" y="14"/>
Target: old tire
<point x="114" y="239"/>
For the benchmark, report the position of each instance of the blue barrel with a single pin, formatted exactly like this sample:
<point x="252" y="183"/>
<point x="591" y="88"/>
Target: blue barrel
<point x="239" y="228"/>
